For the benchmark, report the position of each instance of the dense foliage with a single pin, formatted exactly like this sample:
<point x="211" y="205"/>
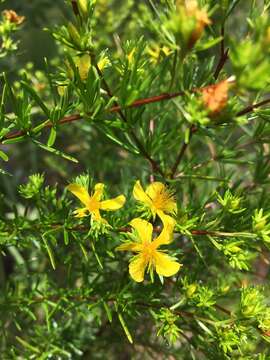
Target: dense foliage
<point x="134" y="179"/>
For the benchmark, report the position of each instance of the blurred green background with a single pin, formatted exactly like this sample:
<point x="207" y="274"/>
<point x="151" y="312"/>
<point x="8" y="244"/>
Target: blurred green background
<point x="35" y="42"/>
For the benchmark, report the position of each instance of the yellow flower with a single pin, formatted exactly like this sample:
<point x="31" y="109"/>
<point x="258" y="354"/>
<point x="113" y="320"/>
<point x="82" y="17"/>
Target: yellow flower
<point x="159" y="200"/>
<point x="130" y="57"/>
<point x="148" y="255"/>
<point x="103" y="62"/>
<point x="156" y="52"/>
<point x="93" y="204"/>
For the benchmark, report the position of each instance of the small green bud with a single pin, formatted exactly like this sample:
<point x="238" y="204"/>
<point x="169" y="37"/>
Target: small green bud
<point x="259" y="221"/>
<point x="33" y="186"/>
<point x="191" y="290"/>
<point x="252" y="302"/>
<point x="74" y="34"/>
<point x="261" y="225"/>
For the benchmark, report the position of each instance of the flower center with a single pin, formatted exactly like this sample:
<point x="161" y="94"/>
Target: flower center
<point x="163" y="201"/>
<point x="93" y="204"/>
<point x="148" y="251"/>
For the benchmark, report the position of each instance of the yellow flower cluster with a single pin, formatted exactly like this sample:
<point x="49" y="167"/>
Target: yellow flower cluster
<point x="160" y="202"/>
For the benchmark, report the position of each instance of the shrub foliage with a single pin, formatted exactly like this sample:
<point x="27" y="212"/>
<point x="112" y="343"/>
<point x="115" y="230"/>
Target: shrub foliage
<point x="134" y="215"/>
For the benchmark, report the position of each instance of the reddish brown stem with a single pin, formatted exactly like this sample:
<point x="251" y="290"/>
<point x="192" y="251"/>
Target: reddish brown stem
<point x="252" y="107"/>
<point x="137" y="103"/>
<point x="155" y="166"/>
<point x="221" y="63"/>
<point x="223" y="55"/>
<point x="221" y="308"/>
<point x="149" y="100"/>
<point x="116" y="108"/>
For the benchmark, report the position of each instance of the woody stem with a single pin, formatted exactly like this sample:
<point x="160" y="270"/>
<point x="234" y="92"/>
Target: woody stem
<point x="143" y="151"/>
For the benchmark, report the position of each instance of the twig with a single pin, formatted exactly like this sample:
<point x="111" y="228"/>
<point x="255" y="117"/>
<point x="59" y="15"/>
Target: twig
<point x="192" y="129"/>
<point x="87" y="298"/>
<point x="137" y="103"/>
<point x="156" y="229"/>
<point x="150" y="100"/>
<point x="182" y="151"/>
<point x="143" y="151"/>
<point x="223" y="55"/>
<point x="252" y="107"/>
<point x="221" y="308"/>
<point x="76" y="117"/>
<point x="221" y="63"/>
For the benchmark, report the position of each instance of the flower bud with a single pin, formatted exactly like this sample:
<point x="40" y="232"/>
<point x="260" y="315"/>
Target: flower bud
<point x="191" y="290"/>
<point x="74" y="34"/>
<point x="83" y="8"/>
<point x="84" y="64"/>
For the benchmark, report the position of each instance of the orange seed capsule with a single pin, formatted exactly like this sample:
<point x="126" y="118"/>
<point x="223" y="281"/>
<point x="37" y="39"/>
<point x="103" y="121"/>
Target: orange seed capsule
<point x="215" y="97"/>
<point x="13" y="17"/>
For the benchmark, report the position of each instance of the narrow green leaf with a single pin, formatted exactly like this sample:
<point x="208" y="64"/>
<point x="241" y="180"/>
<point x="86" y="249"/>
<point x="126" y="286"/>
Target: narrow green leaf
<point x="12" y="98"/>
<point x="84" y="251"/>
<point x="50" y="253"/>
<point x="52" y="137"/>
<point x="30" y="90"/>
<point x="30" y="313"/>
<point x="2" y="105"/>
<point x="39" y="127"/>
<point x="125" y="328"/>
<point x="96" y="255"/>
<point x="55" y="151"/>
<point x="3" y="156"/>
<point x="25" y="344"/>
<point x="3" y="172"/>
<point x="208" y="44"/>
<point x="66" y="237"/>
<point x="204" y="327"/>
<point x="108" y="311"/>
<point x="14" y="140"/>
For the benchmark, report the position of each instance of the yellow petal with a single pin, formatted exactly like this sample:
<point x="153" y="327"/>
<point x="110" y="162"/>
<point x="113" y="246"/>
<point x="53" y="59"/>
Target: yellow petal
<point x="140" y="195"/>
<point x="167" y="220"/>
<point x="130" y="56"/>
<point x="137" y="268"/>
<point x="164" y="264"/>
<point x="97" y="217"/>
<point x="143" y="228"/>
<point x="166" y="235"/>
<point x="154" y="189"/>
<point x="80" y="212"/>
<point x="129" y="246"/>
<point x="102" y="64"/>
<point x="99" y="188"/>
<point x="80" y="192"/>
<point x="113" y="204"/>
